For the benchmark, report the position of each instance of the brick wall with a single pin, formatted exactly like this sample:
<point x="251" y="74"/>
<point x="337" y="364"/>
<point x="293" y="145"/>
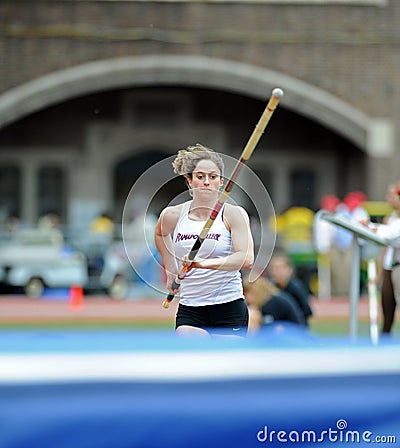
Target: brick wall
<point x="350" y="51"/>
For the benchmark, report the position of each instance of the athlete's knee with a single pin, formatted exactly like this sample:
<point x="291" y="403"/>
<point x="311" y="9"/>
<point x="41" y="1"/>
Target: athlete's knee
<point x="187" y="330"/>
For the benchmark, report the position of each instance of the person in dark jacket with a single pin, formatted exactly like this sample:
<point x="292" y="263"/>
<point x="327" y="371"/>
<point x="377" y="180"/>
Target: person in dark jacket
<point x="267" y="305"/>
<point x="281" y="272"/>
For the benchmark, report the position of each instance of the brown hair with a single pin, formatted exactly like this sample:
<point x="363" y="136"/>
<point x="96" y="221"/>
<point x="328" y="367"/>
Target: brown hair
<point x="263" y="290"/>
<point x="187" y="159"/>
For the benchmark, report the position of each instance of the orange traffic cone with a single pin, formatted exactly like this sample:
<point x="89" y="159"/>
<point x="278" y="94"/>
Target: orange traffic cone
<point x="76" y="298"/>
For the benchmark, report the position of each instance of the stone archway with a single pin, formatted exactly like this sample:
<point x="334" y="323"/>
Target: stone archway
<point x="257" y="82"/>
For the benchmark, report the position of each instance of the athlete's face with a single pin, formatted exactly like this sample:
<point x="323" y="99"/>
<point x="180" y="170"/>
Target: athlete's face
<point x="206" y="178"/>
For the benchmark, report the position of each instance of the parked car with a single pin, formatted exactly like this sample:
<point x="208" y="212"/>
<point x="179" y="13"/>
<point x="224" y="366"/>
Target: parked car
<point x="122" y="280"/>
<point x="37" y="258"/>
<point x="117" y="274"/>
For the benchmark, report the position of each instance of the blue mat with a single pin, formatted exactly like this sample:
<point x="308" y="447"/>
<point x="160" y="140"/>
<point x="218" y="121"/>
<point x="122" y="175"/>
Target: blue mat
<point x="93" y="389"/>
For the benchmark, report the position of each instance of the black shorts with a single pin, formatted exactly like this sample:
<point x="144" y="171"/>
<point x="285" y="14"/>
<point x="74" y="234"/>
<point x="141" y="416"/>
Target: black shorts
<point x="222" y="318"/>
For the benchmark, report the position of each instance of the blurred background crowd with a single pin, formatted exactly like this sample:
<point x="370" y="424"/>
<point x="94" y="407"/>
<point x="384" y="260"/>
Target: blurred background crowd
<point x="99" y="259"/>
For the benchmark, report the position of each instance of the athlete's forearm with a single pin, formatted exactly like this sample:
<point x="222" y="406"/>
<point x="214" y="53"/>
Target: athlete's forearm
<point x="233" y="262"/>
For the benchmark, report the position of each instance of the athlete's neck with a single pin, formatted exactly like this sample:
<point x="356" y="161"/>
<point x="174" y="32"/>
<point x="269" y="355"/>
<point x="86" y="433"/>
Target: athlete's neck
<point x="200" y="212"/>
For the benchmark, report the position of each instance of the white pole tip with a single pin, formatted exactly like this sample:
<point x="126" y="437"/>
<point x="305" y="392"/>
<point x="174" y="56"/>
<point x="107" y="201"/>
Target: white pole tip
<point x="277" y="92"/>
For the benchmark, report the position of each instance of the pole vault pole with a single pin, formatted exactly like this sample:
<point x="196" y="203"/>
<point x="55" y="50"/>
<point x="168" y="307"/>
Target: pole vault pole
<point x="244" y="157"/>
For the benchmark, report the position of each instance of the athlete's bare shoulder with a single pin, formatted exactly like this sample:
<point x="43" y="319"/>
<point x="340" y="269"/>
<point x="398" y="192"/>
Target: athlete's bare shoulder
<point x="235" y="214"/>
<point x="169" y="218"/>
<point x="172" y="211"/>
<point x="232" y="210"/>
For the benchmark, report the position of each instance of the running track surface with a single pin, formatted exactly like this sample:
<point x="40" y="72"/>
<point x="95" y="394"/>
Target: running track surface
<point x="17" y="309"/>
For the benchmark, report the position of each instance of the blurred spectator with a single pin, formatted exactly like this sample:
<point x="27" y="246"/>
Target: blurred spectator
<point x="281" y="272"/>
<point x="355" y="204"/>
<point x="103" y="224"/>
<point x="391" y="258"/>
<point x="13" y="223"/>
<point x="323" y="236"/>
<point x="50" y="223"/>
<point x="267" y="304"/>
<point x="323" y="231"/>
<point x="50" y="220"/>
<point x="352" y="210"/>
<point x="388" y="298"/>
<point x="296" y="226"/>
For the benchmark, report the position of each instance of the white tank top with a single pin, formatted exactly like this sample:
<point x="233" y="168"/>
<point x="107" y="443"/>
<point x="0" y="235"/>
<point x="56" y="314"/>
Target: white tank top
<point x="205" y="286"/>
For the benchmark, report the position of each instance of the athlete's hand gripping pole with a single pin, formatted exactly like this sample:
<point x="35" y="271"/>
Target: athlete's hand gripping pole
<point x="247" y="152"/>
